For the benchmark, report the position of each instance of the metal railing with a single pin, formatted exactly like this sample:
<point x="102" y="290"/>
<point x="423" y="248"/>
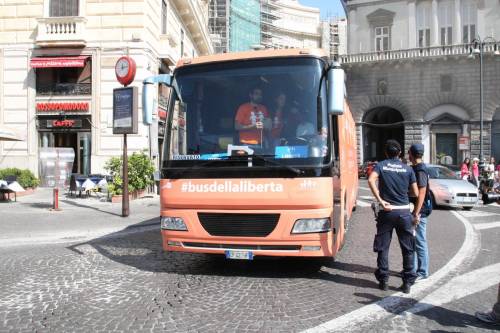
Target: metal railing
<point x="64" y="89"/>
<point x="434" y="51"/>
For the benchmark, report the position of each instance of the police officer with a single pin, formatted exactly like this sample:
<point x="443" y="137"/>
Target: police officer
<point x="394" y="179"/>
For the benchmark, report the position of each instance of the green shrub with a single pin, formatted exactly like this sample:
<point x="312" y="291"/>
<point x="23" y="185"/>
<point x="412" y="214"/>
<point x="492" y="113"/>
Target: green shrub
<point x="25" y="177"/>
<point x="140" y="173"/>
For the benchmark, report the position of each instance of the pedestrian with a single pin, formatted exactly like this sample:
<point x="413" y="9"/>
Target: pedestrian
<point x="393" y="212"/>
<point x="421" y="211"/>
<point x="475" y="171"/>
<point x="465" y="169"/>
<point x="492" y="317"/>
<point x="489" y="170"/>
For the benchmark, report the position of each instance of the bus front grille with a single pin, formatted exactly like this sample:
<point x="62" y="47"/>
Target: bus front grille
<point x="238" y="225"/>
<point x="243" y="247"/>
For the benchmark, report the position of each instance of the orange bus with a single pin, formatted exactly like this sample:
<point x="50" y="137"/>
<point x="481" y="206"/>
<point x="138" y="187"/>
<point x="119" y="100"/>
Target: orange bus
<point x="259" y="156"/>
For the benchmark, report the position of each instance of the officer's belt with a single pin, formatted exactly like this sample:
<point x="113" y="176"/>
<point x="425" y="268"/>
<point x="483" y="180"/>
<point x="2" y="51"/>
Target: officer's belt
<point x="395" y="207"/>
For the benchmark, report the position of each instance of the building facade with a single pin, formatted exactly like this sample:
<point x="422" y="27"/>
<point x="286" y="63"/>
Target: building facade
<point x="411" y="76"/>
<point x="334" y="36"/>
<point x="57" y="60"/>
<point x="297" y="26"/>
<point x="237" y="25"/>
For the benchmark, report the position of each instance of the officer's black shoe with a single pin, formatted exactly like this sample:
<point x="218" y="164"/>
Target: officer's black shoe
<point x="405" y="287"/>
<point x="382" y="285"/>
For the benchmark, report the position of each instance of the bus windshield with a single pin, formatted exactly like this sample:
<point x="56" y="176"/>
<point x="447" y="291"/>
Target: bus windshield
<point x="262" y="107"/>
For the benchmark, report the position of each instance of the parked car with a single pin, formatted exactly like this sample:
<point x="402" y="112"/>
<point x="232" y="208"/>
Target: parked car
<point x="449" y="190"/>
<point x="457" y="170"/>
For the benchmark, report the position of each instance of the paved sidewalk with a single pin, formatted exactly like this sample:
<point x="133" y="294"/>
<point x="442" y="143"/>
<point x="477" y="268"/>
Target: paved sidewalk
<point x="31" y="219"/>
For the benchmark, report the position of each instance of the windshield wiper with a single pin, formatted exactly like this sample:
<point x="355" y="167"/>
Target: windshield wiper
<point x="265" y="158"/>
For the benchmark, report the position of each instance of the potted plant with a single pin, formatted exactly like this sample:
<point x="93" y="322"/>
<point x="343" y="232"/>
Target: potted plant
<point x="140" y="171"/>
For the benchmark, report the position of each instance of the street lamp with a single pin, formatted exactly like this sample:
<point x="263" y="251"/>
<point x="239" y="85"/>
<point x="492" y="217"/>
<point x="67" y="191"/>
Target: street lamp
<point x="477" y="48"/>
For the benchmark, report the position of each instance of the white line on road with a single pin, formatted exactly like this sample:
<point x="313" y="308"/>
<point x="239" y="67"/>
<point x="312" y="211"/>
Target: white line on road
<point x="460" y="287"/>
<point x="487" y="225"/>
<point x="374" y="312"/>
<point x="364" y="188"/>
<point x="361" y="203"/>
<point x="80" y="236"/>
<point x="476" y="213"/>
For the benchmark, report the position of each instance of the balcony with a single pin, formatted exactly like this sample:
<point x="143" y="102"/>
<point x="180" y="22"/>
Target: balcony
<point x="417" y="53"/>
<point x="64" y="89"/>
<point x="61" y="31"/>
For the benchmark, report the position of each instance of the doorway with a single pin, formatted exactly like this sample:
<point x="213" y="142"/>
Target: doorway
<point x="379" y="125"/>
<point x="447" y="148"/>
<point x="79" y="141"/>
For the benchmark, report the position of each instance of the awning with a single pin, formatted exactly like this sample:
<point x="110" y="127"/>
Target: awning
<point x="46" y="62"/>
<point x="9" y="134"/>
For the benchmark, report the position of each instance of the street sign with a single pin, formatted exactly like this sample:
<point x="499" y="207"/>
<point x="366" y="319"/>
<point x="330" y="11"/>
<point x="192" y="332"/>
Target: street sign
<point x="463" y="142"/>
<point x="125" y="110"/>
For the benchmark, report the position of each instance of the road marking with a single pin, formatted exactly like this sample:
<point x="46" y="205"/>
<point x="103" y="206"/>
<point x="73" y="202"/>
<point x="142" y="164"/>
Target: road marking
<point x="460" y="287"/>
<point x="476" y="213"/>
<point x="361" y="203"/>
<point x="364" y="188"/>
<point x="487" y="225"/>
<point x="393" y="304"/>
<point x="367" y="197"/>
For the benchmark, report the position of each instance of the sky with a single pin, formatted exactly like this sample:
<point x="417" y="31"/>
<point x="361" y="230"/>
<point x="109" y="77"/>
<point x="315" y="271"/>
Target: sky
<point x="327" y="7"/>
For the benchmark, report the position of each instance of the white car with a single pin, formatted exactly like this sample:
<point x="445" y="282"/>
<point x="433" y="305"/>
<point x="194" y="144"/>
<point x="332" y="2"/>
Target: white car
<point x="449" y="190"/>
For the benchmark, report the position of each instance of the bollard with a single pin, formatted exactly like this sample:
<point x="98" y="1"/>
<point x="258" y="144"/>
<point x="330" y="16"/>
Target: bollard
<point x="55" y="204"/>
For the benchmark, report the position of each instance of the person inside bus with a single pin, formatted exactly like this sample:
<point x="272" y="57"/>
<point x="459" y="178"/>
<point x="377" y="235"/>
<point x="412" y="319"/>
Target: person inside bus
<point x="305" y="128"/>
<point x="252" y="119"/>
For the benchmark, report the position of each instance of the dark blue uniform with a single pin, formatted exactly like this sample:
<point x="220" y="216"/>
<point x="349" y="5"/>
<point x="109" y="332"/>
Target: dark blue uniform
<point x="395" y="179"/>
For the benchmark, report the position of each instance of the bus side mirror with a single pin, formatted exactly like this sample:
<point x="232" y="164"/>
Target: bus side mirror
<point x="148" y="102"/>
<point x="149" y="92"/>
<point x="336" y="90"/>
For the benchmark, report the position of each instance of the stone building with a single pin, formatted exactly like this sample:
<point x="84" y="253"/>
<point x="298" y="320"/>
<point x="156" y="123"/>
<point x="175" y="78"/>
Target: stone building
<point x="57" y="75"/>
<point x="411" y="76"/>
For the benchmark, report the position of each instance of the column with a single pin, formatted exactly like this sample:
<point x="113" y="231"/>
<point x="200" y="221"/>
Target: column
<point x="353" y="27"/>
<point x="412" y="25"/>
<point x="434" y="24"/>
<point x="457" y="23"/>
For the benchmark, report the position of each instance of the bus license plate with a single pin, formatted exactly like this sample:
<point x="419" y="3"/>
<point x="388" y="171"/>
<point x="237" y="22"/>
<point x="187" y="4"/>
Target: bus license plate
<point x="240" y="255"/>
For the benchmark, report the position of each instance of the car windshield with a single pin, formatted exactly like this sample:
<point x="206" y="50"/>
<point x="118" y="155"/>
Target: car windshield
<point x="263" y="107"/>
<point x="441" y="173"/>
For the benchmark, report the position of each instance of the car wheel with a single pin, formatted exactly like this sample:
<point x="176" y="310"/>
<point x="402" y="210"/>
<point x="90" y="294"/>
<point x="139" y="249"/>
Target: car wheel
<point x="467" y="208"/>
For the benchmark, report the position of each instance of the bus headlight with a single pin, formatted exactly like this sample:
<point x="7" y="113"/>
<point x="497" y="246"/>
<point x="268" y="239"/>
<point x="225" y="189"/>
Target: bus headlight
<point x="305" y="226"/>
<point x="173" y="223"/>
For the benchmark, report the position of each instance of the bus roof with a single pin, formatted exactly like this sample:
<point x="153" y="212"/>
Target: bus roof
<point x="248" y="55"/>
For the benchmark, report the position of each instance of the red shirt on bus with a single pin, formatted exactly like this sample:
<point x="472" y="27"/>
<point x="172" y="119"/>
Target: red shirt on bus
<point x="248" y="114"/>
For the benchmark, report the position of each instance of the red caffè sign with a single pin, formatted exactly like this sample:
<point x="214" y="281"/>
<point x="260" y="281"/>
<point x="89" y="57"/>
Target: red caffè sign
<point x="62" y="106"/>
<point x="64" y="123"/>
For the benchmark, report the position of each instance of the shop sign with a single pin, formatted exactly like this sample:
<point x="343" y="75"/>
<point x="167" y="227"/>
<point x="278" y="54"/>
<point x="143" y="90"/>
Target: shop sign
<point x="64" y="106"/>
<point x="463" y="142"/>
<point x="64" y="123"/>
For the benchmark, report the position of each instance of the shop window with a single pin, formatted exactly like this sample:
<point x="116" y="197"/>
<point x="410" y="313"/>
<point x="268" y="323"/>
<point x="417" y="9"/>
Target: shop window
<point x="64" y="81"/>
<point x="60" y="8"/>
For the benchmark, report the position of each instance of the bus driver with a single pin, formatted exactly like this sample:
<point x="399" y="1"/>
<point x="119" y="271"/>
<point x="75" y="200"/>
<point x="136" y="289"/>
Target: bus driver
<point x="252" y="119"/>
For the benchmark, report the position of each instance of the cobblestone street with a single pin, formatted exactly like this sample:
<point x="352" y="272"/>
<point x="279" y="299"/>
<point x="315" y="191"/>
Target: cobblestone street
<point x="125" y="282"/>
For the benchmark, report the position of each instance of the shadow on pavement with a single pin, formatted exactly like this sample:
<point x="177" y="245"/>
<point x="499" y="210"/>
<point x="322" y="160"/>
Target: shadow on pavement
<point x="72" y="203"/>
<point x="143" y="250"/>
